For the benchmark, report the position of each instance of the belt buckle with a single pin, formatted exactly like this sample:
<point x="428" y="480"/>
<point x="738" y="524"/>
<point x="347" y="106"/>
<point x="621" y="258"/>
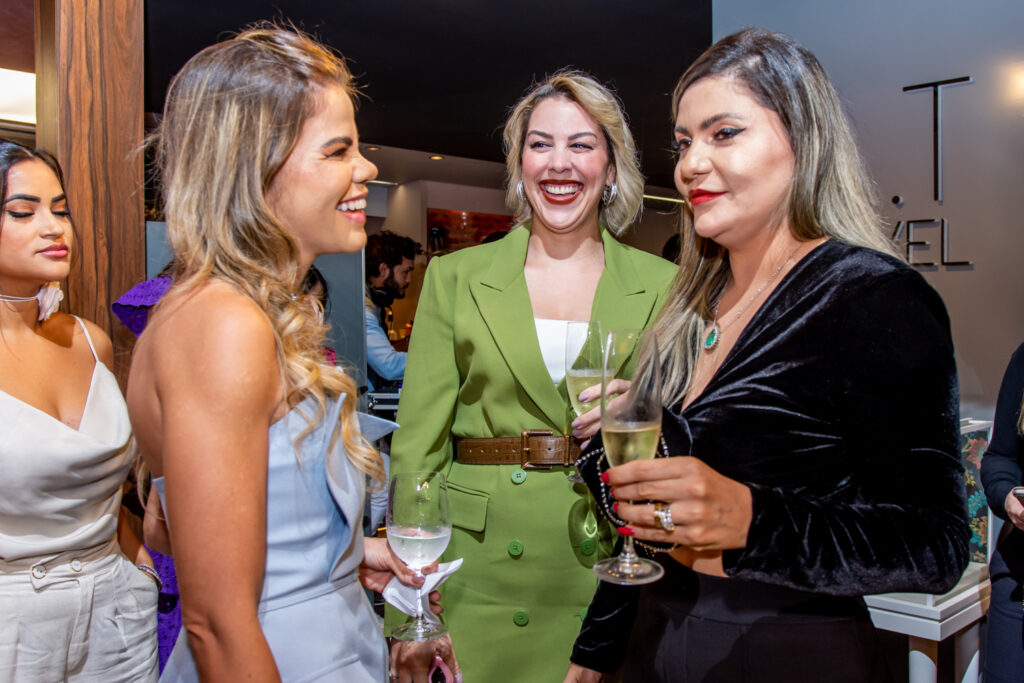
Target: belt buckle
<point x="524" y="448"/>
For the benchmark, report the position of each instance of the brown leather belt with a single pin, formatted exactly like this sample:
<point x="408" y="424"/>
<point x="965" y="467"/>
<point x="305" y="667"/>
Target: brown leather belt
<point x="534" y="448"/>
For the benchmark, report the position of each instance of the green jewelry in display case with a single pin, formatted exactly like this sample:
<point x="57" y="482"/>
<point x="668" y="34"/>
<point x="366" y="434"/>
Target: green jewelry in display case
<point x="974" y="438"/>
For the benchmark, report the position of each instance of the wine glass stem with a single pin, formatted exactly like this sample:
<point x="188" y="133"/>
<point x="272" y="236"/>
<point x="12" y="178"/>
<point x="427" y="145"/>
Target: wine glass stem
<point x="419" y="604"/>
<point x="628" y="555"/>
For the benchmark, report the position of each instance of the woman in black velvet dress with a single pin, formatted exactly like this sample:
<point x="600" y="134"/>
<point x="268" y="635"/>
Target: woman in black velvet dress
<point x="811" y="399"/>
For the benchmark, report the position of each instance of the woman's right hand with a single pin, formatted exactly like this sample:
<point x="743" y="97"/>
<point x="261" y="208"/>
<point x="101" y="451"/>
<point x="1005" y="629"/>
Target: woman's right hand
<point x="581" y="674"/>
<point x="587" y="424"/>
<point x="1014" y="510"/>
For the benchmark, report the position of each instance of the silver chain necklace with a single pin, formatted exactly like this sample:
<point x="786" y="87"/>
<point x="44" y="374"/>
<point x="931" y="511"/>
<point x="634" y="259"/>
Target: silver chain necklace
<point x="713" y="336"/>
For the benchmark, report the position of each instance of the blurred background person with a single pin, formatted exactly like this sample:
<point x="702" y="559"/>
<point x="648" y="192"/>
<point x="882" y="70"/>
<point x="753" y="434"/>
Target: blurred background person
<point x="1002" y="469"/>
<point x="78" y="592"/>
<point x="486" y="377"/>
<point x="810" y="393"/>
<point x="390" y="259"/>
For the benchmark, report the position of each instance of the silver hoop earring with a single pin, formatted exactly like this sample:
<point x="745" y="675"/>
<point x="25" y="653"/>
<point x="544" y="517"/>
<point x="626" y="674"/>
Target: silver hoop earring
<point x="610" y="193"/>
<point x="520" y="192"/>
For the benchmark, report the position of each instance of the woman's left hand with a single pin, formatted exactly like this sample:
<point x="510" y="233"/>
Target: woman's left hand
<point x="380" y="565"/>
<point x="710" y="511"/>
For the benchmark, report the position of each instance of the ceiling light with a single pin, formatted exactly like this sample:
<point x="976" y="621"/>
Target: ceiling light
<point x="372" y="148"/>
<point x="436" y="157"/>
<point x="18" y="99"/>
<point x="381" y="182"/>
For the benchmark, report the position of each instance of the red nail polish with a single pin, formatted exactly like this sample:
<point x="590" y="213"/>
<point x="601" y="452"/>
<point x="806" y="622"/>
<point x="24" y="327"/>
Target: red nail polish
<point x="615" y="508"/>
<point x="604" y="477"/>
<point x="625" y="530"/>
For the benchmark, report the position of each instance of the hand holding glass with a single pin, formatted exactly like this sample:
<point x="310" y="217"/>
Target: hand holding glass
<point x="419" y="525"/>
<point x="630" y="424"/>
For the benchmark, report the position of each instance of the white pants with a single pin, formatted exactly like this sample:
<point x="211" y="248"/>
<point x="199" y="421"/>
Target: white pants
<point x="77" y="618"/>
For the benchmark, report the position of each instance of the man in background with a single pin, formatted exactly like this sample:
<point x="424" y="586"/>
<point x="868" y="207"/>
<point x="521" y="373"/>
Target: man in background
<point x="389" y="264"/>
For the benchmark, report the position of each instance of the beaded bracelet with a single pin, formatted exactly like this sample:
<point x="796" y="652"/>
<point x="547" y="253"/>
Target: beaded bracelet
<point x="152" y="573"/>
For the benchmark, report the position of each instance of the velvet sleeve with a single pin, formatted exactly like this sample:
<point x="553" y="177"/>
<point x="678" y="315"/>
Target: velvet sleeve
<point x="898" y="519"/>
<point x="601" y="644"/>
<point x="1001" y="465"/>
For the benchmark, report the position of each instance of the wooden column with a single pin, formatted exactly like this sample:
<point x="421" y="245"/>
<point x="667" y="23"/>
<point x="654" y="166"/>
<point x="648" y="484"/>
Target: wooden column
<point x="89" y="102"/>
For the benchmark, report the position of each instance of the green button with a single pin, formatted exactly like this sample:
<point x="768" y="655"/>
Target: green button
<point x="518" y="475"/>
<point x="521" y="618"/>
<point x="515" y="548"/>
<point x="588" y="546"/>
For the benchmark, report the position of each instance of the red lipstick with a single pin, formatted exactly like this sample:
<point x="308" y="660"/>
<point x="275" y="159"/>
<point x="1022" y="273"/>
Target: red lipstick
<point x="701" y="196"/>
<point x="560" y="198"/>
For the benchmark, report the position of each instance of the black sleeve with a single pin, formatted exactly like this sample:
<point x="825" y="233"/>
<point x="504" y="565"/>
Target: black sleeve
<point x="1001" y="464"/>
<point x="602" y="642"/>
<point x="899" y="520"/>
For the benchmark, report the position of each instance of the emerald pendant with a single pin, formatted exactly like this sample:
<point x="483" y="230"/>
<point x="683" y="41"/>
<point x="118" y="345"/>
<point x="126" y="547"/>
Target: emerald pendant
<point x="711" y="340"/>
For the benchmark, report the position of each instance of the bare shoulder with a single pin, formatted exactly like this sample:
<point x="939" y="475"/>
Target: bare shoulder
<point x="64" y="330"/>
<point x="101" y="342"/>
<point x="214" y="341"/>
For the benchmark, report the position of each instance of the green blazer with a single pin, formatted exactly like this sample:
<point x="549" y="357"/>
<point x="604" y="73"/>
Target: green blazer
<point x="527" y="538"/>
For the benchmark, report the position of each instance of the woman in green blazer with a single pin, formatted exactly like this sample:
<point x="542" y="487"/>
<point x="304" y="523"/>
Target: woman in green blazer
<point x="483" y="364"/>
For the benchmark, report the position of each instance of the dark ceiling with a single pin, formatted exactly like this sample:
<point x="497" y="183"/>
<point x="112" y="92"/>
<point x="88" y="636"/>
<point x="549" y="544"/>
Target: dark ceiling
<point x="440" y="75"/>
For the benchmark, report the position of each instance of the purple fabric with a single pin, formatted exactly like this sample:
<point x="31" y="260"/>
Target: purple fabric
<point x="133" y="307"/>
<point x="168" y="617"/>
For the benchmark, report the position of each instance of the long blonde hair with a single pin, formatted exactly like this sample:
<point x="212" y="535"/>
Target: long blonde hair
<point x="232" y="117"/>
<point x="831" y="196"/>
<point x="601" y="105"/>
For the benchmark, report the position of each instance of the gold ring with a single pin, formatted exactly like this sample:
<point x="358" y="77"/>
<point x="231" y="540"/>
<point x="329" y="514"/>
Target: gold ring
<point x="663" y="517"/>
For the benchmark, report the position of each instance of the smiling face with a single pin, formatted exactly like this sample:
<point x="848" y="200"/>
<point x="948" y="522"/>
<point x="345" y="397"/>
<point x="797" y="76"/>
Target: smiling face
<point x="35" y="230"/>
<point x="735" y="164"/>
<point x="566" y="165"/>
<point x="320" y="192"/>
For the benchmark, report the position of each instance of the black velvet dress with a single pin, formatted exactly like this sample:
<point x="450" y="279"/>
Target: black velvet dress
<point x="838" y="407"/>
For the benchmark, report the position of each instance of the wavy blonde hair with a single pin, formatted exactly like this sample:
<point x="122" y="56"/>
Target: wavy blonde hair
<point x="232" y="117"/>
<point x="603" y="106"/>
<point x="831" y="196"/>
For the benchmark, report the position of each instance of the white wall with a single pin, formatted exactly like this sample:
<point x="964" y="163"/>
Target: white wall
<point x="872" y="49"/>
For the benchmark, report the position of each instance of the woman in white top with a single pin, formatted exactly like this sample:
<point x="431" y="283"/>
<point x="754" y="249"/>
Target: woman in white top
<point x="73" y="606"/>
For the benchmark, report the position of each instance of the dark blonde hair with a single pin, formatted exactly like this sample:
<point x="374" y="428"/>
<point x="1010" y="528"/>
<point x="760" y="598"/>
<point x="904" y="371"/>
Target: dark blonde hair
<point x="831" y="195"/>
<point x="601" y="105"/>
<point x="232" y="117"/>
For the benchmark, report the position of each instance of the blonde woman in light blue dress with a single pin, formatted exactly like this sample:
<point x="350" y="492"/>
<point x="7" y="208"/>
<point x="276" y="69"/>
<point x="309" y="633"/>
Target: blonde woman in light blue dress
<point x="258" y="456"/>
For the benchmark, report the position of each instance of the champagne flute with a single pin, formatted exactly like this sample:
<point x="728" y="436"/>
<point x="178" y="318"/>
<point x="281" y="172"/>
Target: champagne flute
<point x="419" y="525"/>
<point x="630" y="425"/>
<point x="582" y="366"/>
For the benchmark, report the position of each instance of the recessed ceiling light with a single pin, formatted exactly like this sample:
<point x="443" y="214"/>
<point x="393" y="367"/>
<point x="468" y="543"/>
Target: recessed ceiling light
<point x="436" y="157"/>
<point x="373" y="148"/>
<point x="19" y="100"/>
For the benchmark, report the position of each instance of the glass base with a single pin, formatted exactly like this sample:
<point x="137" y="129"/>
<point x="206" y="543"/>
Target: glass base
<point x="418" y="630"/>
<point x="574" y="477"/>
<point x="628" y="572"/>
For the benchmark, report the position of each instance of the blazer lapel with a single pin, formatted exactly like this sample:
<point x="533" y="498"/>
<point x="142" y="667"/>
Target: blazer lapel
<point x="504" y="303"/>
<point x="621" y="300"/>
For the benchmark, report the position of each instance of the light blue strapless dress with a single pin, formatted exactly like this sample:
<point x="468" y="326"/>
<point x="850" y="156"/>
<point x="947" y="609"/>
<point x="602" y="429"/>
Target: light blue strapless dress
<point x="313" y="610"/>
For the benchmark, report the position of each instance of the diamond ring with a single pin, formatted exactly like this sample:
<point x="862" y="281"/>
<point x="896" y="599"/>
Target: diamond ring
<point x="663" y="516"/>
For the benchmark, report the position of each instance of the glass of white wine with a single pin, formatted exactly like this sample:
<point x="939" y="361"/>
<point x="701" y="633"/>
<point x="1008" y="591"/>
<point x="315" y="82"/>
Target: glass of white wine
<point x="630" y="425"/>
<point x="419" y="526"/>
<point x="583" y="355"/>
